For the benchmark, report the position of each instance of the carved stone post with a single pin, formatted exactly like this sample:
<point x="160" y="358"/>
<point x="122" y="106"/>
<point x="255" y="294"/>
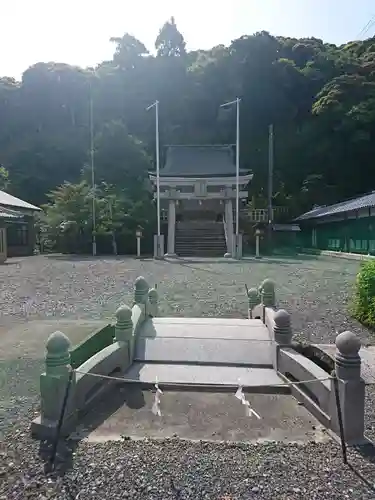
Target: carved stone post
<point x="267" y="293"/>
<point x="152" y="306"/>
<point x="351" y="389"/>
<point x="254" y="299"/>
<point x="282" y="330"/>
<point x="124" y="324"/>
<point x="54" y="381"/>
<point x="141" y="289"/>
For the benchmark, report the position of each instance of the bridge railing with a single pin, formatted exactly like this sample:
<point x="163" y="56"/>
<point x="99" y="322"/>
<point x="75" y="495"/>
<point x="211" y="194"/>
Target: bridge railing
<point x="69" y="379"/>
<point x="317" y="388"/>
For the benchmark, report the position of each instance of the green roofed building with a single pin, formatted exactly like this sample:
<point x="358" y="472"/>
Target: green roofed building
<point x="348" y="226"/>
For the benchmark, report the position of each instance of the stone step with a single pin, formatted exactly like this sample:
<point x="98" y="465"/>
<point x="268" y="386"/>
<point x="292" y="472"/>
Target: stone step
<point x="204" y="351"/>
<point x="263" y="380"/>
<point x="205" y="328"/>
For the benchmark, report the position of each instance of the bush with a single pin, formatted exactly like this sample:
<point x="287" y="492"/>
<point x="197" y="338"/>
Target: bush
<point x="364" y="298"/>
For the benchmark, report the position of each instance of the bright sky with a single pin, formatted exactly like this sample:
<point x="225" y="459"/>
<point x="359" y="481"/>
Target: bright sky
<point x="78" y="31"/>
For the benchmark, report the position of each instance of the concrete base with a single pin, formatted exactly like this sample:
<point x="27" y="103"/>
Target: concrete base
<point x="170" y="256"/>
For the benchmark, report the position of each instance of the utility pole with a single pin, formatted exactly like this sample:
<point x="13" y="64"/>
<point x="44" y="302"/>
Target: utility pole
<point x="237" y="103"/>
<point x="157" y="152"/>
<point x="270" y="184"/>
<point x="93" y="187"/>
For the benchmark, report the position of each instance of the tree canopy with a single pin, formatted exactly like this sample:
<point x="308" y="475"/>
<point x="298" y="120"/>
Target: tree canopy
<point x="319" y="96"/>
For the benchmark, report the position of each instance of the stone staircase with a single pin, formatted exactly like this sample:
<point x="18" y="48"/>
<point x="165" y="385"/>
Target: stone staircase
<point x="200" y="239"/>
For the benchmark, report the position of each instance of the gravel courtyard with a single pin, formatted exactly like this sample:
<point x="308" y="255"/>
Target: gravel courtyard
<point x="44" y="290"/>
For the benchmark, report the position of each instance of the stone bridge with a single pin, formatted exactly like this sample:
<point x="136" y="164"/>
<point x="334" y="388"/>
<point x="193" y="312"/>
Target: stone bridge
<point x="214" y="355"/>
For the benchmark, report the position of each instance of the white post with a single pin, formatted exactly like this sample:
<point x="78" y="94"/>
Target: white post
<point x="237" y="252"/>
<point x="229" y="224"/>
<point x="157" y="165"/>
<point x="171" y="228"/>
<point x="237" y="169"/>
<point x="138" y="247"/>
<point x="257" y="237"/>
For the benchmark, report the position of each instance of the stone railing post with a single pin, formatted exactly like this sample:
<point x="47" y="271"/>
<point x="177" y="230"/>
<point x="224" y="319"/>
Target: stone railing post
<point x="141" y="289"/>
<point x="152" y="305"/>
<point x="282" y="330"/>
<point x="254" y="299"/>
<point x="281" y="333"/>
<point x="124" y="324"/>
<point x="351" y="389"/>
<point x="124" y="329"/>
<point x="53" y="382"/>
<point x="139" y="310"/>
<point x="267" y="293"/>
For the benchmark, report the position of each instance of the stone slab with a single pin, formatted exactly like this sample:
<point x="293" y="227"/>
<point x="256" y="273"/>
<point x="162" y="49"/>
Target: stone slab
<point x="203" y="375"/>
<point x="208" y="351"/>
<point x="201" y="416"/>
<point x="206" y="328"/>
<point x="367" y="356"/>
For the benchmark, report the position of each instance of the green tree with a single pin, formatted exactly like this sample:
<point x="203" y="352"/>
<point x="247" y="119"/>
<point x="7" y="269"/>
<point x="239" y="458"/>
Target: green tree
<point x="170" y="42"/>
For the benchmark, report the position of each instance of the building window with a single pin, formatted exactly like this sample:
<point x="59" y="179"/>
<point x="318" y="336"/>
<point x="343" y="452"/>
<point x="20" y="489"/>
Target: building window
<point x="17" y="235"/>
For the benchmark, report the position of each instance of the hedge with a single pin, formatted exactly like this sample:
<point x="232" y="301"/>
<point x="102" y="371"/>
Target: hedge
<point x="364" y="297"/>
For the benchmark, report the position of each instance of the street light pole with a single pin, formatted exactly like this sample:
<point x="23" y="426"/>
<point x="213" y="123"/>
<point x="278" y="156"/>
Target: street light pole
<point x="270" y="184"/>
<point x="237" y="102"/>
<point x="157" y="146"/>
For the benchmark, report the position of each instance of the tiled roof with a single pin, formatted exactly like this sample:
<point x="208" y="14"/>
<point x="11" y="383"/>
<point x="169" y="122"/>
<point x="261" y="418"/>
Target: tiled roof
<point x="199" y="161"/>
<point x="365" y="201"/>
<point x="6" y="213"/>
<point x="11" y="201"/>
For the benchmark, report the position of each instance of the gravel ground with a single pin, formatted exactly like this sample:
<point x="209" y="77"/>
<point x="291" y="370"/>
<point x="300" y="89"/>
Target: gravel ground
<point x="176" y="469"/>
<point x="315" y="291"/>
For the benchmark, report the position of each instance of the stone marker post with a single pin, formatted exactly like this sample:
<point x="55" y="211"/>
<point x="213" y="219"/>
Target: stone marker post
<point x="124" y="328"/>
<point x="152" y="305"/>
<point x="351" y="389"/>
<point x="141" y="289"/>
<point x="253" y="298"/>
<point x="54" y="381"/>
<point x="282" y="334"/>
<point x="267" y="293"/>
<point x="282" y="330"/>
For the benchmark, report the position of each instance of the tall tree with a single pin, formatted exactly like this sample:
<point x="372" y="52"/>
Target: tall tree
<point x="170" y="42"/>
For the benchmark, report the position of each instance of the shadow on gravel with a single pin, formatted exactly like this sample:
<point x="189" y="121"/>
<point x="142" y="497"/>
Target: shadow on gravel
<point x="113" y="400"/>
<point x="86" y="258"/>
<point x="366" y="474"/>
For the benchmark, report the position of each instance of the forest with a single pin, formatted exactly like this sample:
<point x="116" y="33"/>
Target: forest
<point x="320" y="98"/>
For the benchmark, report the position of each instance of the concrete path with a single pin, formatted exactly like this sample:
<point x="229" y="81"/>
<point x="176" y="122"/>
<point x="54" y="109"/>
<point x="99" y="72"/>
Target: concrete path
<point x="210" y="341"/>
<point x="207" y="416"/>
<point x="205" y="351"/>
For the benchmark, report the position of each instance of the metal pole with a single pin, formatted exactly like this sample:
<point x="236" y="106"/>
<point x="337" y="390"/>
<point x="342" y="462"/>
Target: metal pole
<point x="157" y="166"/>
<point x="339" y="418"/>
<point x="270" y="183"/>
<point x="237" y="170"/>
<point x="92" y="174"/>
<point x="60" y="422"/>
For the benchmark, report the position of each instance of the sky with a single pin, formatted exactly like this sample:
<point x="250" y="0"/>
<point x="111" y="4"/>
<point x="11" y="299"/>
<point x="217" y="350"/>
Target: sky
<point x="77" y="31"/>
